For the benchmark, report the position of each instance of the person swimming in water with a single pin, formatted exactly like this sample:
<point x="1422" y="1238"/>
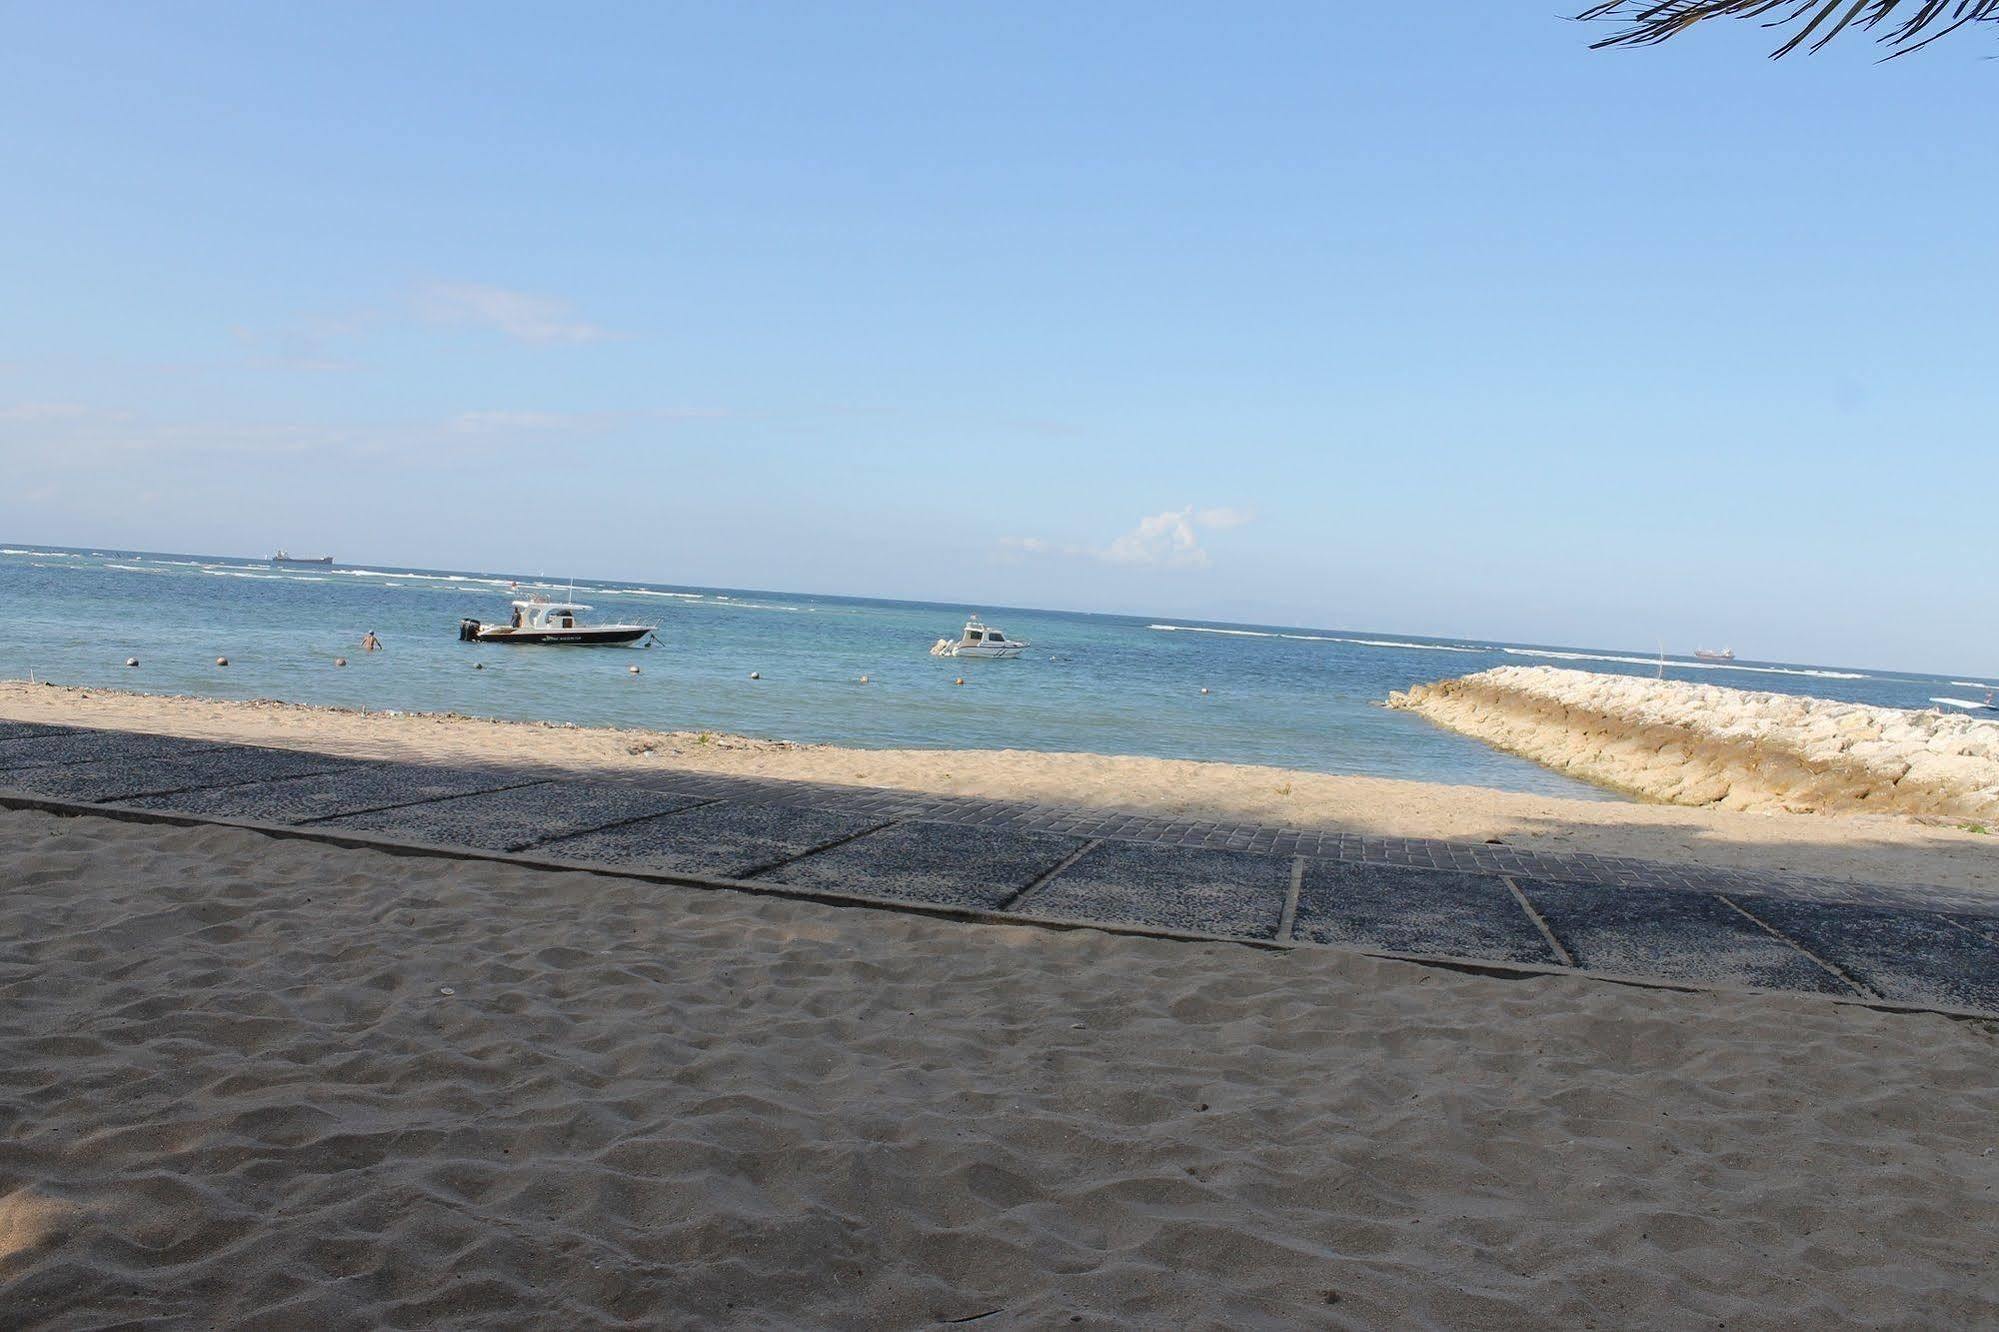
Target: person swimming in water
<point x="370" y="643"/>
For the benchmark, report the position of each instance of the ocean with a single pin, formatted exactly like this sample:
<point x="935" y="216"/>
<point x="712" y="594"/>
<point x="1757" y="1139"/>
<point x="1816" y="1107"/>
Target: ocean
<point x="1292" y="697"/>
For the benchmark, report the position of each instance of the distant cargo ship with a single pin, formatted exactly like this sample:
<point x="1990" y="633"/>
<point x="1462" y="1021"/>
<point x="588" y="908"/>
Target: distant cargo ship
<point x="1709" y="654"/>
<point x="283" y="557"/>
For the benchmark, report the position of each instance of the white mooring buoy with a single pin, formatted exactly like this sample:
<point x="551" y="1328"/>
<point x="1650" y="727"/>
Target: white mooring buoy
<point x="222" y="661"/>
<point x="131" y="661"/>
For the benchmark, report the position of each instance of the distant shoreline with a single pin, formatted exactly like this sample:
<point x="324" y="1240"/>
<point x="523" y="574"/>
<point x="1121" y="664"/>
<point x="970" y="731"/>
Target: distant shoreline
<point x="1877" y="848"/>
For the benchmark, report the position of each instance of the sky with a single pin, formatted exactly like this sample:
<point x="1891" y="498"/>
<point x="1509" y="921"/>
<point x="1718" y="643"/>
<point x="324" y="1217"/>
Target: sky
<point x="1422" y="318"/>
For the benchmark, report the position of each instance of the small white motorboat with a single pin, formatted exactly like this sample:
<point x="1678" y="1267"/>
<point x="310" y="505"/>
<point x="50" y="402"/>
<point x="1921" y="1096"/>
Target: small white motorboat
<point x="979" y="640"/>
<point x="542" y="621"/>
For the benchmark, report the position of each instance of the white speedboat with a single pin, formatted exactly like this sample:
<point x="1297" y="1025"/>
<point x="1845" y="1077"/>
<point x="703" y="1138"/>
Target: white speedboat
<point x="539" y="621"/>
<point x="979" y="640"/>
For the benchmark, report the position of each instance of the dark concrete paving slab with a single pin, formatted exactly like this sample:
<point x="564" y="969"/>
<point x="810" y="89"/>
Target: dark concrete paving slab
<point x="726" y="841"/>
<point x="39" y="751"/>
<point x="1918" y="957"/>
<point x="517" y="819"/>
<point x="1171" y="887"/>
<point x="346" y="791"/>
<point x="18" y="730"/>
<point x="944" y="863"/>
<point x="1674" y="935"/>
<point x="1402" y="910"/>
<point x="1988" y="926"/>
<point x="122" y="779"/>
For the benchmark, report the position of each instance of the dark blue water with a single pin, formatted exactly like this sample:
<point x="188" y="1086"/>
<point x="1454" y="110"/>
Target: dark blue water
<point x="1298" y="698"/>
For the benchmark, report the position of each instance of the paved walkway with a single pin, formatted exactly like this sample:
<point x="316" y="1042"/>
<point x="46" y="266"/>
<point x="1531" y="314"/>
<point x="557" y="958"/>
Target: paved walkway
<point x="1459" y="902"/>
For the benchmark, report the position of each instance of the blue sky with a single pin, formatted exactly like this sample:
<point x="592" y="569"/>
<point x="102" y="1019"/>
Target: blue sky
<point x="1419" y="318"/>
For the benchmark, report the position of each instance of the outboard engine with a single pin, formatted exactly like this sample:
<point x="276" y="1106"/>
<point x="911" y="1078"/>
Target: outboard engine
<point x="468" y="631"/>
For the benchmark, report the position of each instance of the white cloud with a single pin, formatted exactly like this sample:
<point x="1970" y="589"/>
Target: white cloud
<point x="46" y="411"/>
<point x="1165" y="541"/>
<point x="1224" y="518"/>
<point x="1169" y="540"/>
<point x="518" y="314"/>
<point x="492" y="423"/>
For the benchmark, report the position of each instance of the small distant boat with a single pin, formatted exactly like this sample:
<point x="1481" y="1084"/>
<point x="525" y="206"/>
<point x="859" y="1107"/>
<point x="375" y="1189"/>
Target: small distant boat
<point x="286" y="557"/>
<point x="1709" y="654"/>
<point x="979" y="640"/>
<point x="551" y="622"/>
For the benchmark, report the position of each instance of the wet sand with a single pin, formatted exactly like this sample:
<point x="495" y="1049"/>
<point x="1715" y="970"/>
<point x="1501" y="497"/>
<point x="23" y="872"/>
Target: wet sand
<point x="298" y="1085"/>
<point x="1872" y="848"/>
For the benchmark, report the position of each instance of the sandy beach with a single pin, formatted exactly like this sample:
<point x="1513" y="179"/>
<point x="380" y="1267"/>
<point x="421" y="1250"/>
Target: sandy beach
<point x="1868" y="847"/>
<point x="296" y="1085"/>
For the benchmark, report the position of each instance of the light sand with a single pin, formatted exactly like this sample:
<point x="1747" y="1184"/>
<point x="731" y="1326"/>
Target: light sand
<point x="246" y="1079"/>
<point x="1875" y="848"/>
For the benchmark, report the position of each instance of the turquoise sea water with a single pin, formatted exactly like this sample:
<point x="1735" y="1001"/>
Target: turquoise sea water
<point x="1294" y="697"/>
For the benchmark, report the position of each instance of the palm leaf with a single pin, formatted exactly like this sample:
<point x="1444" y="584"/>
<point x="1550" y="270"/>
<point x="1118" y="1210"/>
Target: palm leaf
<point x="1901" y="25"/>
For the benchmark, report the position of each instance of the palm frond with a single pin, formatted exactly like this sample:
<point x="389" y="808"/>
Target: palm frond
<point x="1902" y="25"/>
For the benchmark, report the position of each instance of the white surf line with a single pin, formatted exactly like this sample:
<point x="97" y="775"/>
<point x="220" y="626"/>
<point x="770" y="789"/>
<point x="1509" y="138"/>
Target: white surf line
<point x="1681" y="663"/>
<point x="1567" y="958"/>
<point x="1859" y="987"/>
<point x="1317" y="638"/>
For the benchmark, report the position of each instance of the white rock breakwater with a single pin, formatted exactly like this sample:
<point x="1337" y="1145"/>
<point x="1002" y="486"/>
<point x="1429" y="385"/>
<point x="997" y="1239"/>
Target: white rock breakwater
<point x="1698" y="744"/>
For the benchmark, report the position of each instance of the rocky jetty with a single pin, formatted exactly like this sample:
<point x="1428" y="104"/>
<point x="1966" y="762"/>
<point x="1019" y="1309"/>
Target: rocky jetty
<point x="1705" y="745"/>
